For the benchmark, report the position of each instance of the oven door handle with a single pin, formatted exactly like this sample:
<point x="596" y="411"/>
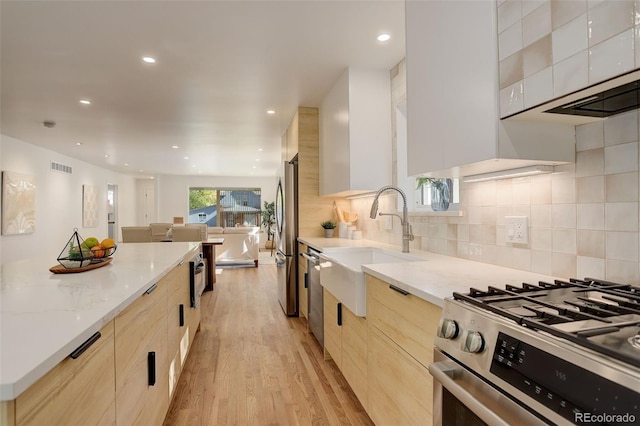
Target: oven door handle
<point x="478" y="396"/>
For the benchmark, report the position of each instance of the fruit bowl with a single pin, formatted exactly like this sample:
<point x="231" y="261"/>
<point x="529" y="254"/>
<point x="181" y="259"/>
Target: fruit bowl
<point x="100" y="253"/>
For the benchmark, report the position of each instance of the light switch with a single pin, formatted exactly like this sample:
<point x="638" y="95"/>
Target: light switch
<point x="517" y="229"/>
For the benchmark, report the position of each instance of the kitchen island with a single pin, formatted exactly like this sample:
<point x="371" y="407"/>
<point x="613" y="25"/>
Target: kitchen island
<point x="45" y="317"/>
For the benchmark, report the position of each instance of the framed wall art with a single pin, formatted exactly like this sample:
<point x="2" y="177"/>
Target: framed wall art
<point x="89" y="206"/>
<point x="18" y="203"/>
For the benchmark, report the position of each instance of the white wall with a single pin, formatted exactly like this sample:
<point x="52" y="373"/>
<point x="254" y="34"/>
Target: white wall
<point x="59" y="199"/>
<point x="173" y="191"/>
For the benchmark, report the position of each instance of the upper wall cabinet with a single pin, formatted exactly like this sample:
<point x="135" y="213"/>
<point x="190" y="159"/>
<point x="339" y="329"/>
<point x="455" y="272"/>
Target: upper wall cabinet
<point x="355" y="133"/>
<point x="453" y="125"/>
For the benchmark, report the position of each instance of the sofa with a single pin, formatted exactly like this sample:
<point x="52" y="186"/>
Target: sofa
<point x="241" y="245"/>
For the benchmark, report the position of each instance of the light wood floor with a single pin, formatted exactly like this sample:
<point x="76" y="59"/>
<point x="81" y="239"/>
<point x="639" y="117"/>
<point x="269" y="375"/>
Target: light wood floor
<point x="252" y="365"/>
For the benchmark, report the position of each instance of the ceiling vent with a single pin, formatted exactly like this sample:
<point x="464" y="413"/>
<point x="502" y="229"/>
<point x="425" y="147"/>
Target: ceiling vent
<point x="57" y="167"/>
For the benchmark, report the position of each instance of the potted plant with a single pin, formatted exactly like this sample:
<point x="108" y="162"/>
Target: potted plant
<point x="268" y="220"/>
<point x="328" y="226"/>
<point x="440" y="192"/>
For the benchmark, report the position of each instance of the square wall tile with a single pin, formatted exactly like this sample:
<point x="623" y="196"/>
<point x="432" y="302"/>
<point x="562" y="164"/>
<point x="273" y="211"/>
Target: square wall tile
<point x="591" y="243"/>
<point x="571" y="74"/>
<point x="621" y="271"/>
<point x="504" y="193"/>
<point x="590" y="189"/>
<point x="608" y="19"/>
<point x="538" y="88"/>
<point x="529" y="6"/>
<point x="541" y="262"/>
<point x="536" y="24"/>
<point x="563" y="216"/>
<point x="622" y="187"/>
<point x="563" y="11"/>
<point x="563" y="191"/>
<point x="541" y="191"/>
<point x="612" y="57"/>
<point x="540" y="216"/>
<point x="590" y="267"/>
<point x="563" y="265"/>
<point x="590" y="216"/>
<point x="590" y="136"/>
<point x="621" y="158"/>
<point x="511" y="70"/>
<point x="521" y="259"/>
<point x="537" y="56"/>
<point x="570" y="39"/>
<point x="512" y="99"/>
<point x="590" y="163"/>
<point x="622" y="246"/>
<point x="521" y="191"/>
<point x="540" y="239"/>
<point x="509" y="13"/>
<point x="621" y="216"/>
<point x="510" y="41"/>
<point x="621" y="128"/>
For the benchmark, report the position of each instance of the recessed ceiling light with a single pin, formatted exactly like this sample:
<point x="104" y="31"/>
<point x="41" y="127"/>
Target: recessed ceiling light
<point x="253" y="167"/>
<point x="257" y="159"/>
<point x="384" y="37"/>
<point x="149" y="60"/>
<point x="193" y="165"/>
<point x="175" y="146"/>
<point x="85" y="101"/>
<point x="126" y="164"/>
<point x="79" y="143"/>
<point x="270" y="111"/>
<point x="185" y="157"/>
<point x="151" y="177"/>
<point x="106" y="156"/>
<point x="141" y="170"/>
<point x="260" y="149"/>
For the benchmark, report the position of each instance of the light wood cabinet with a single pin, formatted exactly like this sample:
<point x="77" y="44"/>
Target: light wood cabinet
<point x="453" y="126"/>
<point x="402" y="329"/>
<point x="355" y="132"/>
<point x="142" y="361"/>
<point x="332" y="328"/>
<point x="77" y="391"/>
<point x="303" y="294"/>
<point x="345" y="341"/>
<point x="182" y="321"/>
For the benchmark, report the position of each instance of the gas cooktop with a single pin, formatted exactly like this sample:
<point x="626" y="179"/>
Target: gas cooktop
<point x="600" y="315"/>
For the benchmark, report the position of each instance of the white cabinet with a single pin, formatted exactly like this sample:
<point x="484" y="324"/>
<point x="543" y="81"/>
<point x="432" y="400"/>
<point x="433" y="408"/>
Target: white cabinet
<point x="453" y="126"/>
<point x="355" y="133"/>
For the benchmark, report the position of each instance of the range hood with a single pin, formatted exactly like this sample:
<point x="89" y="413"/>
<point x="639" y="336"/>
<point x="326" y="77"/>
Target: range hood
<point x="599" y="101"/>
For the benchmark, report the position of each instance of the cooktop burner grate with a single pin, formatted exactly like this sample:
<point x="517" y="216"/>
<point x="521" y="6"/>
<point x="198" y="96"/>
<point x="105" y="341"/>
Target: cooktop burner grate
<point x="601" y="315"/>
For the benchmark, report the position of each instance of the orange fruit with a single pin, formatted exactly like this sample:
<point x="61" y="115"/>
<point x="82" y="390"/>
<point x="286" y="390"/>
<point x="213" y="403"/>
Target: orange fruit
<point x="98" y="251"/>
<point x="108" y="243"/>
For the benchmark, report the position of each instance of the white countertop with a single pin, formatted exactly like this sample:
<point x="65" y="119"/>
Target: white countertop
<point x="45" y="316"/>
<point x="438" y="276"/>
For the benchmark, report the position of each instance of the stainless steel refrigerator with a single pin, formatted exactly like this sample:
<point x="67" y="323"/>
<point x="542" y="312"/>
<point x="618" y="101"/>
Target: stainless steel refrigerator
<point x="286" y="209"/>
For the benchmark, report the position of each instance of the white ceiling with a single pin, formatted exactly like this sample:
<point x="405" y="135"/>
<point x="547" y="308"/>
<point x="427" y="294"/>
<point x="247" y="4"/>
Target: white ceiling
<point x="220" y="66"/>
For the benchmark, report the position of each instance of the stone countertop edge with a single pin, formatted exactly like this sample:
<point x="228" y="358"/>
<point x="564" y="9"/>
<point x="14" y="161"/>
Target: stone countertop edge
<point x="45" y="316"/>
<point x="439" y="276"/>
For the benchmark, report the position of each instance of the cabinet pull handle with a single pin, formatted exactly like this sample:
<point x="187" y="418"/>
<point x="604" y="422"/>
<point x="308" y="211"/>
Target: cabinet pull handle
<point x="86" y="345"/>
<point x="339" y="311"/>
<point x="399" y="290"/>
<point x="150" y="289"/>
<point x="181" y="315"/>
<point x="151" y="366"/>
<point x="306" y="280"/>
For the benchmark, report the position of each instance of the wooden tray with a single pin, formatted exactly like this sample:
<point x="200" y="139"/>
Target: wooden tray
<point x="59" y="269"/>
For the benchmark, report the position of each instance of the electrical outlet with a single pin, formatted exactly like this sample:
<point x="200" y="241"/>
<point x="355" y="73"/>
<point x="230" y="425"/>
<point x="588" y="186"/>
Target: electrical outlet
<point x="517" y="229"/>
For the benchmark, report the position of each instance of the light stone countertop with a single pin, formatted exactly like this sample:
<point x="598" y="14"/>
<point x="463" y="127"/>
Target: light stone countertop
<point x="45" y="316"/>
<point x="438" y="276"/>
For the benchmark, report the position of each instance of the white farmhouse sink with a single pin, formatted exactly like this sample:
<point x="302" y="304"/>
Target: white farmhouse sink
<point x="341" y="272"/>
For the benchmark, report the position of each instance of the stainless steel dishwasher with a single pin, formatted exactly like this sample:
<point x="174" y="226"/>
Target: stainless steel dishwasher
<point x="314" y="292"/>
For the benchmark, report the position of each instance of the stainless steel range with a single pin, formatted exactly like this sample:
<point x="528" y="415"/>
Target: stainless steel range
<point x="566" y="352"/>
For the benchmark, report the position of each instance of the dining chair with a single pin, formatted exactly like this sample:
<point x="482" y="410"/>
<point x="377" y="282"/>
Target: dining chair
<point x="136" y="234"/>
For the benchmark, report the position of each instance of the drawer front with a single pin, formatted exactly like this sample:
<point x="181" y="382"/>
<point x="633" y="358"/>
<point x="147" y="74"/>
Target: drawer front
<point x="76" y="392"/>
<point x="406" y="319"/>
<point x="135" y="326"/>
<point x="400" y="388"/>
<point x="332" y="331"/>
<point x="354" y="353"/>
<point x="179" y="294"/>
<point x="302" y="261"/>
<point x="303" y="295"/>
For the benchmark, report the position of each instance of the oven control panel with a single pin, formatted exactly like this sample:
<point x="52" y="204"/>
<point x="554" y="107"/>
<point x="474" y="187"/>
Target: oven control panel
<point x="567" y="389"/>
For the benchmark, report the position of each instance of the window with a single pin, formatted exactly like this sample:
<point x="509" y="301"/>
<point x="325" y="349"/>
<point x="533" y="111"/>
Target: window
<point x="225" y="207"/>
<point x="425" y="192"/>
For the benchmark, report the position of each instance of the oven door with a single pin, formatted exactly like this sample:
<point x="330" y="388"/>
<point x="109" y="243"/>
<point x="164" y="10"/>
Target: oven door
<point x="461" y="398"/>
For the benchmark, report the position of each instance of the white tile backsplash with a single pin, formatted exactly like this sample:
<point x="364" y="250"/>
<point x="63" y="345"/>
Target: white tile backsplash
<point x="590" y="216"/>
<point x="510" y="41"/>
<point x="622" y="246"/>
<point x="612" y="57"/>
<point x="570" y="39"/>
<point x="571" y="74"/>
<point x="590" y="136"/>
<point x="538" y="87"/>
<point x="608" y="19"/>
<point x="536" y="24"/>
<point x="509" y="13"/>
<point x="621" y="128"/>
<point x="621" y="216"/>
<point x="621" y="158"/>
